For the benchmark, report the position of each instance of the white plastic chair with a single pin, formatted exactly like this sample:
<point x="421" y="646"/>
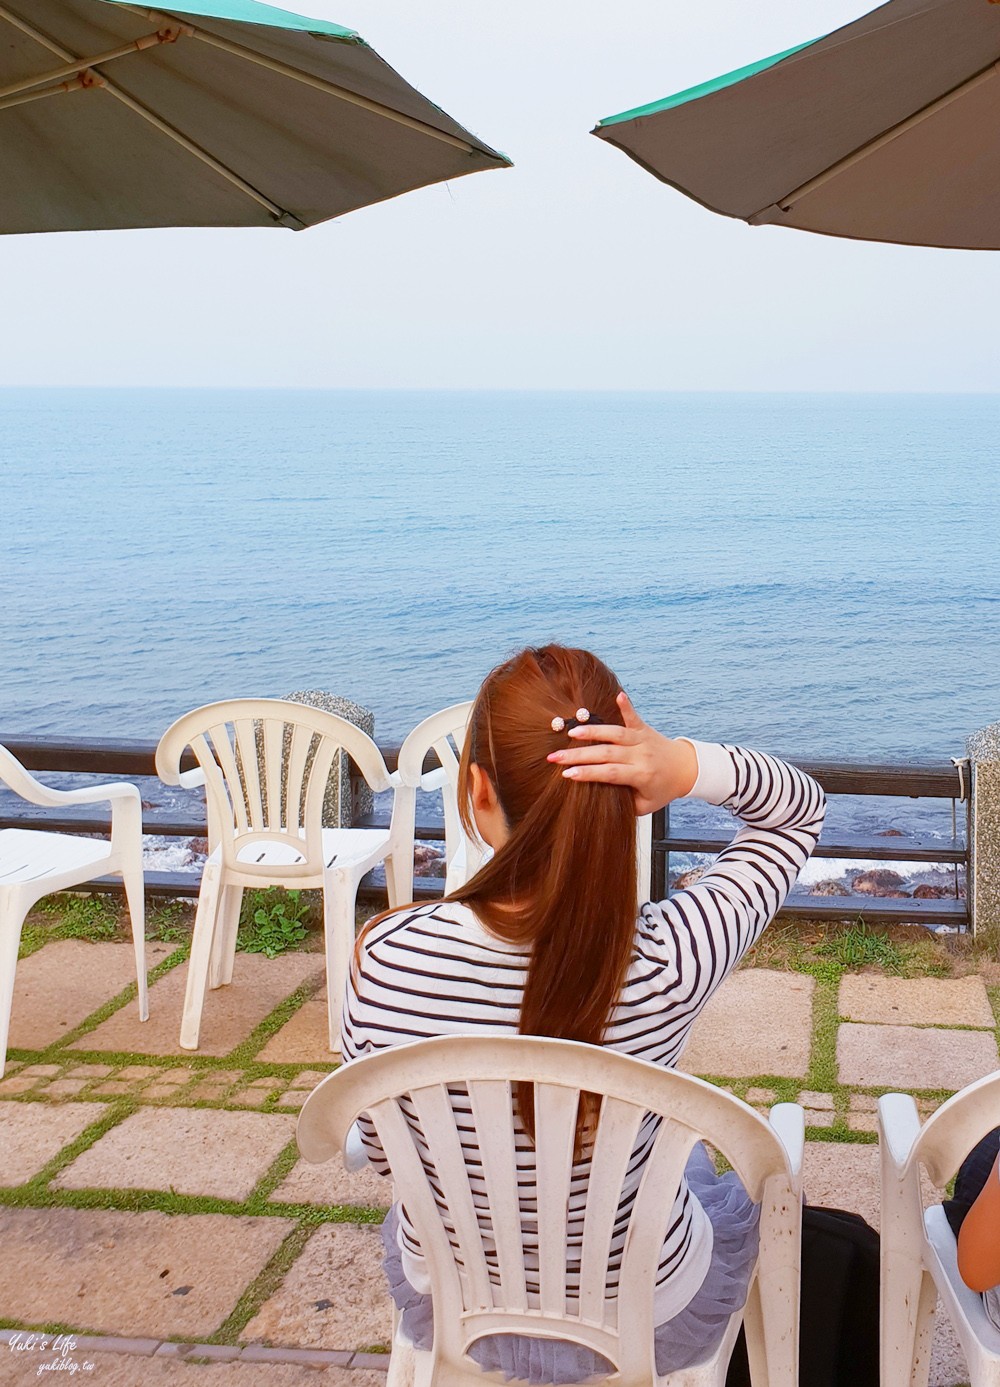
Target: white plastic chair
<point x="919" y="1251"/>
<point x="34" y="863"/>
<point x="470" y="1301"/>
<point x="444" y="733"/>
<point x="265" y="764"/>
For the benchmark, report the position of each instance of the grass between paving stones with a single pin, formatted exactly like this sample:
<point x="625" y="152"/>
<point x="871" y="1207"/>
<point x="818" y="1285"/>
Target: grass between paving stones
<point x="38" y="1194"/>
<point x="52" y="1327"/>
<point x="993" y="993"/>
<point x="91" y="1022"/>
<point x="245" y="1052"/>
<point x="262" y="1288"/>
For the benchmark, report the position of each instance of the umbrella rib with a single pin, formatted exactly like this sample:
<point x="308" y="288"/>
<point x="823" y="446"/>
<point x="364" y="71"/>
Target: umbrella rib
<point x="280" y="214"/>
<point x="81" y="64"/>
<point x="319" y="83"/>
<point x="776" y="210"/>
<point x="84" y="81"/>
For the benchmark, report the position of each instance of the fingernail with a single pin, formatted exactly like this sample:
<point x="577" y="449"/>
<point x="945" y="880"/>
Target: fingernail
<point x="571" y="772"/>
<point x="554" y="756"/>
<point x="574" y="732"/>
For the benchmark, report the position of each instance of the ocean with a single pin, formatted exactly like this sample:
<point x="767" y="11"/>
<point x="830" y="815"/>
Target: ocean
<point x="817" y="575"/>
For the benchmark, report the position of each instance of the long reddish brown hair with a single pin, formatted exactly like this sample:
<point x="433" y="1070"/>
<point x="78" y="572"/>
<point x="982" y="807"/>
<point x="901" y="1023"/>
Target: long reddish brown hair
<point x="564" y="883"/>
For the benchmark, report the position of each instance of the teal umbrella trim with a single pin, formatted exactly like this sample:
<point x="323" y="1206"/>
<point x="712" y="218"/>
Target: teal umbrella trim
<point x="728" y="79"/>
<point x="253" y="12"/>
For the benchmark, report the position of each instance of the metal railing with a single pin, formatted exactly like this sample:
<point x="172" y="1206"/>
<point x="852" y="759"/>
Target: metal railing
<point x="901" y="781"/>
<point x="129" y="759"/>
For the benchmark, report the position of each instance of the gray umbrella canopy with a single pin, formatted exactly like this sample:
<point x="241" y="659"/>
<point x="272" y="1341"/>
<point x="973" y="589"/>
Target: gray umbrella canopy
<point x="886" y="130"/>
<point x="215" y="113"/>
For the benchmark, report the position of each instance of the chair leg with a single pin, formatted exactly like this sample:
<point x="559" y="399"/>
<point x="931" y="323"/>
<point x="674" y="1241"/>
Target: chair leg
<point x="772" y="1316"/>
<point x="135" y="894"/>
<point x="11" y="920"/>
<point x="393" y="884"/>
<point x="224" y="944"/>
<point x="401" y="1365"/>
<point x="340" y="891"/>
<point x="753" y="1328"/>
<point x="201" y="957"/>
<point x="923" y="1335"/>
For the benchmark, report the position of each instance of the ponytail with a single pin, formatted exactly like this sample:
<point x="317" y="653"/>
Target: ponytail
<point x="564" y="883"/>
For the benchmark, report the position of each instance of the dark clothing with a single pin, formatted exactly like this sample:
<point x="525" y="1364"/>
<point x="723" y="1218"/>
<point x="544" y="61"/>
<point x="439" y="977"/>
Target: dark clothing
<point x="971" y="1178"/>
<point x="838" y="1333"/>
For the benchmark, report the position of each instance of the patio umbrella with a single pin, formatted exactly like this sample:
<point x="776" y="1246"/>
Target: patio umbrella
<point x="886" y="130"/>
<point x="214" y="113"/>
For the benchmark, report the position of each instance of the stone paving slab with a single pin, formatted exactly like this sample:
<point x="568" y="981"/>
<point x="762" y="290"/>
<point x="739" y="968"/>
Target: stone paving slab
<point x="915" y="1001"/>
<point x="143" y="1274"/>
<point x="845" y="1175"/>
<point x="198" y="1151"/>
<point x="230" y="1013"/>
<point x="32" y="1133"/>
<point x="304" y="1038"/>
<point x="334" y="1295"/>
<point x="909" y="1057"/>
<point x="842" y="1175"/>
<point x="330" y="1183"/>
<point x="759" y="1022"/>
<point x="125" y="1370"/>
<point x="60" y="985"/>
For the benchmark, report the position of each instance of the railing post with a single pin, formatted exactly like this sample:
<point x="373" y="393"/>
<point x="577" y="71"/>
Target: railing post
<point x="342" y="803"/>
<point x="983" y="884"/>
<point x="659" y="875"/>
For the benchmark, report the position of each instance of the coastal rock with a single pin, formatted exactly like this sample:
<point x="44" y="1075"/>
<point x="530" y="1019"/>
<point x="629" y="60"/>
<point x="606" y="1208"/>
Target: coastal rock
<point x="926" y="892"/>
<point x="427" y="861"/>
<point x="879" y="882"/>
<point x="830" y="887"/>
<point x="687" y="878"/>
<point x="199" y="846"/>
<point x="890" y="833"/>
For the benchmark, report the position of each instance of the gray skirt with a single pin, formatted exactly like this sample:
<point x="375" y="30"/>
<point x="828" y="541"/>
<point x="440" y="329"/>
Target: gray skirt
<point x="688" y="1338"/>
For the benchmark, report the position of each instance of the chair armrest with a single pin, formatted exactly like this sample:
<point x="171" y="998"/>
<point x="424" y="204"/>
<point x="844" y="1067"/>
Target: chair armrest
<point x="898" y="1127"/>
<point x="98" y="794"/>
<point x="23" y="783"/>
<point x="434" y="780"/>
<point x="189" y="780"/>
<point x="788" y="1122"/>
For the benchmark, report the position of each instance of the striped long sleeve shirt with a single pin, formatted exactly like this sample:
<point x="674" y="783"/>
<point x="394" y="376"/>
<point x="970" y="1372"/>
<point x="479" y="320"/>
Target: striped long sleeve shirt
<point x="435" y="970"/>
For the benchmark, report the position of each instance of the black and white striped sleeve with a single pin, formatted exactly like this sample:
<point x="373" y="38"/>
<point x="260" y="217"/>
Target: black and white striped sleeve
<point x="706" y="929"/>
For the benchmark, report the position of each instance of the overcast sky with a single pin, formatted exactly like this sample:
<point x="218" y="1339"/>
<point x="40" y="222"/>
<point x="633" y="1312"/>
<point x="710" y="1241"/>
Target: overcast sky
<point x="574" y="269"/>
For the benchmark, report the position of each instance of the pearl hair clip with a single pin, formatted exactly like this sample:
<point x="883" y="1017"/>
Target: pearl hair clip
<point x="565" y="724"/>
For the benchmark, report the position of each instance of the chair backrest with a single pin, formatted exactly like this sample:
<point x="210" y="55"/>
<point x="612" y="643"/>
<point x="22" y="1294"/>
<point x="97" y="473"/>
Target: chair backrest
<point x="265" y="764"/>
<point x="475" y="1259"/>
<point x="443" y="733"/>
<point x="951" y="1132"/>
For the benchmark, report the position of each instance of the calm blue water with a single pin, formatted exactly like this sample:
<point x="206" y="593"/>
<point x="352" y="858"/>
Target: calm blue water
<point x="813" y="574"/>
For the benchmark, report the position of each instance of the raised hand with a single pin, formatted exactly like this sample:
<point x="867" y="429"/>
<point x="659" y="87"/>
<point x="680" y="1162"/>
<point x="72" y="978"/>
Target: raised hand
<point x="658" y="769"/>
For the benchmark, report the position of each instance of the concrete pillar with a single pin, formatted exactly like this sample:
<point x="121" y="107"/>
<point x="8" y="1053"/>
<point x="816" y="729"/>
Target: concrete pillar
<point x="983" y="887"/>
<point x="339" y="809"/>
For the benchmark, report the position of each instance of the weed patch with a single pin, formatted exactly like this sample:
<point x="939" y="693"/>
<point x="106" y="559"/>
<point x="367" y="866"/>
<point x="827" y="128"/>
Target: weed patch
<point x="272" y="922"/>
<point x="859" y="945"/>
